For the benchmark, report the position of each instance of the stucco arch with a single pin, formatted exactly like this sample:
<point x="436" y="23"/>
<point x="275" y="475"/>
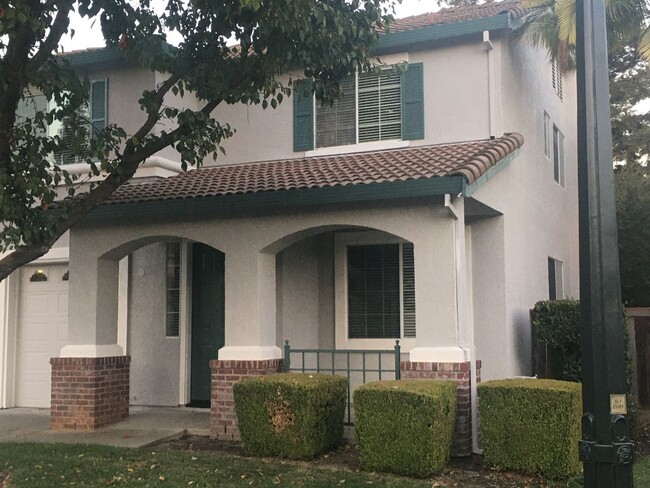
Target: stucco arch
<point x="297" y="236"/>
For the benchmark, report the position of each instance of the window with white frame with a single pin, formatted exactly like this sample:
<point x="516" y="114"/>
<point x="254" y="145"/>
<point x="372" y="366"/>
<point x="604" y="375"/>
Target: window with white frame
<point x="555" y="279"/>
<point x="95" y="112"/>
<point x="547" y="135"/>
<point x="172" y="289"/>
<point x="370" y="109"/>
<point x="380" y="291"/>
<point x="558" y="156"/>
<point x="377" y="106"/>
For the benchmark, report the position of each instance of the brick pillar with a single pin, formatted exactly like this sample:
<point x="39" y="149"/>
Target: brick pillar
<point x="223" y="420"/>
<point x="88" y="393"/>
<point x="459" y="372"/>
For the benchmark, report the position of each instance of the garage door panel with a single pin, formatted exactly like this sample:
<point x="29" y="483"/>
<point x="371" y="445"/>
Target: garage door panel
<point x="42" y="332"/>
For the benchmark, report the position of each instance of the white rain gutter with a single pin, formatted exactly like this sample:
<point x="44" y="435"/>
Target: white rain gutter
<point x="491" y="75"/>
<point x="465" y="324"/>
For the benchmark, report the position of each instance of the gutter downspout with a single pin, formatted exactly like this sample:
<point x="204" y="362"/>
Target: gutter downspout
<point x="4" y="332"/>
<point x="465" y="325"/>
<point x="491" y="79"/>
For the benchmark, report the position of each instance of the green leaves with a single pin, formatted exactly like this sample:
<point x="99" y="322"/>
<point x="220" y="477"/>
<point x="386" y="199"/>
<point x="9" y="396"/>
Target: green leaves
<point x="325" y="41"/>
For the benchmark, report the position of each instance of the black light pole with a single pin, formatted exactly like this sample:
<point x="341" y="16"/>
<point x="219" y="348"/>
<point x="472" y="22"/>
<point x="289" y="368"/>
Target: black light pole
<point x="605" y="448"/>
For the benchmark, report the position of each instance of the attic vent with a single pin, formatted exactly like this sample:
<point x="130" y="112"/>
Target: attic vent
<point x="39" y="275"/>
<point x="556" y="73"/>
<point x="66" y="276"/>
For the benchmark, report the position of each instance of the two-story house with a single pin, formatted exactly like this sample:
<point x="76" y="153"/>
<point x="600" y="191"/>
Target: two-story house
<point x="433" y="204"/>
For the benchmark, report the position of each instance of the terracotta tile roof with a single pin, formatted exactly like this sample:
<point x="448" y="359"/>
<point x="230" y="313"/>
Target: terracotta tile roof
<point x="469" y="159"/>
<point x="458" y="14"/>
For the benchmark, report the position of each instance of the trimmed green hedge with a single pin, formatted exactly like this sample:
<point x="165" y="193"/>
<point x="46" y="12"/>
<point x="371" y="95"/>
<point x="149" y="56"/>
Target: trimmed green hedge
<point x="405" y="427"/>
<point x="531" y="425"/>
<point x="557" y="323"/>
<point x="291" y="415"/>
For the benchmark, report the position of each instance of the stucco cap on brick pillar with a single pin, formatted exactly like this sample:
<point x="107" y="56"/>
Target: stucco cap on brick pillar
<point x="249" y="353"/>
<point x="438" y="355"/>
<point x="91" y="350"/>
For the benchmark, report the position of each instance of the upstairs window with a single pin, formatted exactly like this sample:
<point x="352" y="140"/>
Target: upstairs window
<point x="96" y="115"/>
<point x="374" y="107"/>
<point x="369" y="110"/>
<point x="558" y="156"/>
<point x="547" y="135"/>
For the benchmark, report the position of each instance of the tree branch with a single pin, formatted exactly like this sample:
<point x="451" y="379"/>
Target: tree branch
<point x="81" y="207"/>
<point x="57" y="29"/>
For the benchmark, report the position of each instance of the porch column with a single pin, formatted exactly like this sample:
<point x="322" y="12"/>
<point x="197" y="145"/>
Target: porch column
<point x="90" y="379"/>
<point x="444" y="345"/>
<point x="250" y="337"/>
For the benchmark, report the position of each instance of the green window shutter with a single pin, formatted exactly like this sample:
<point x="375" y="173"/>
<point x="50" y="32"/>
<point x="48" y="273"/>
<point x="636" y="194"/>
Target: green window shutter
<point x="413" y="103"/>
<point x="98" y="108"/>
<point x="303" y="117"/>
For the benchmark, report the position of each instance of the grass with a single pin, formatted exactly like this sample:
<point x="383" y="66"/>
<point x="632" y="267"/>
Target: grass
<point x="642" y="472"/>
<point x="58" y="465"/>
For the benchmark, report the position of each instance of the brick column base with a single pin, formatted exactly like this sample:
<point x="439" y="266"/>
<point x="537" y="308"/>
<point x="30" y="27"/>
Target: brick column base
<point x="459" y="372"/>
<point x="223" y="420"/>
<point x="88" y="393"/>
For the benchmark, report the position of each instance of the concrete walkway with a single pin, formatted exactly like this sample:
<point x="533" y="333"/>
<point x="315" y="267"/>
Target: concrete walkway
<point x="145" y="425"/>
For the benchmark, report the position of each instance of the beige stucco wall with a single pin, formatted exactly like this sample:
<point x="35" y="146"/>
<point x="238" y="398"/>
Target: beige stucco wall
<point x="540" y="217"/>
<point x="125" y="87"/>
<point x="456" y="107"/>
<point x="248" y="243"/>
<point x="155" y="358"/>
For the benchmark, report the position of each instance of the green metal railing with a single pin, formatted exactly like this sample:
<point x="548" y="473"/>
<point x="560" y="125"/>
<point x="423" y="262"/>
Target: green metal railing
<point x="368" y="365"/>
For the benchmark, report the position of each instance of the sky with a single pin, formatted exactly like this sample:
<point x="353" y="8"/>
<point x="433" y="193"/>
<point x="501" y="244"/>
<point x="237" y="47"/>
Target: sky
<point x="87" y="35"/>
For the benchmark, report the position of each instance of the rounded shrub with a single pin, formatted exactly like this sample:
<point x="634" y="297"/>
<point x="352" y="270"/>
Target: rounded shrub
<point x="531" y="425"/>
<point x="291" y="415"/>
<point x="405" y="427"/>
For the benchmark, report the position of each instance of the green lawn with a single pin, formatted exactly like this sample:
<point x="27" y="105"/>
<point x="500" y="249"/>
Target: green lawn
<point x="57" y="465"/>
<point x="642" y="472"/>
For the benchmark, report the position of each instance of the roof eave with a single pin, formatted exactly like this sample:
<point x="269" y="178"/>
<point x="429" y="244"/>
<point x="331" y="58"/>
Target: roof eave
<point x="397" y="40"/>
<point x="471" y="188"/>
<point x="101" y="56"/>
<point x="220" y="206"/>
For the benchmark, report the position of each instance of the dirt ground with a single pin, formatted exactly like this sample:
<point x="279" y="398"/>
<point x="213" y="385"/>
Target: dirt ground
<point x="462" y="472"/>
<point x="469" y="472"/>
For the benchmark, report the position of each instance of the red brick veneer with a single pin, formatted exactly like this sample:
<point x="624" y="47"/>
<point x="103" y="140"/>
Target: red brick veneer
<point x="88" y="393"/>
<point x="223" y="420"/>
<point x="459" y="372"/>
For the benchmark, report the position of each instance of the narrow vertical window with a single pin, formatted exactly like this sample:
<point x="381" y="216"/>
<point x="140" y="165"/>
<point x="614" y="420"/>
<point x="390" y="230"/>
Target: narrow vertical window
<point x="547" y="135"/>
<point x="555" y="279"/>
<point x="173" y="289"/>
<point x="558" y="156"/>
<point x="98" y="107"/>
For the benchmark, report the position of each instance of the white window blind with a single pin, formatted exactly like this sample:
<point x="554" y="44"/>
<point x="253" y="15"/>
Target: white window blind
<point x="370" y="109"/>
<point x="381" y="291"/>
<point x="173" y="289"/>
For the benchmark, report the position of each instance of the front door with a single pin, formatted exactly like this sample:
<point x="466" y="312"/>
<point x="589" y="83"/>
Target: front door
<point x="207" y="319"/>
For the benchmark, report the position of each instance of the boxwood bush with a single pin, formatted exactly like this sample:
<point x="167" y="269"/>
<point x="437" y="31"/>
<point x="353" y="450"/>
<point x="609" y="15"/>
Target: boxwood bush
<point x="531" y="425"/>
<point x="291" y="415"/>
<point x="405" y="427"/>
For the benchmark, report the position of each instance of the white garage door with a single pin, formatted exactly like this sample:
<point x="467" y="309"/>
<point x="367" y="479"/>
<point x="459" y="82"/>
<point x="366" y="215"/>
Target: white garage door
<point x="42" y="330"/>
